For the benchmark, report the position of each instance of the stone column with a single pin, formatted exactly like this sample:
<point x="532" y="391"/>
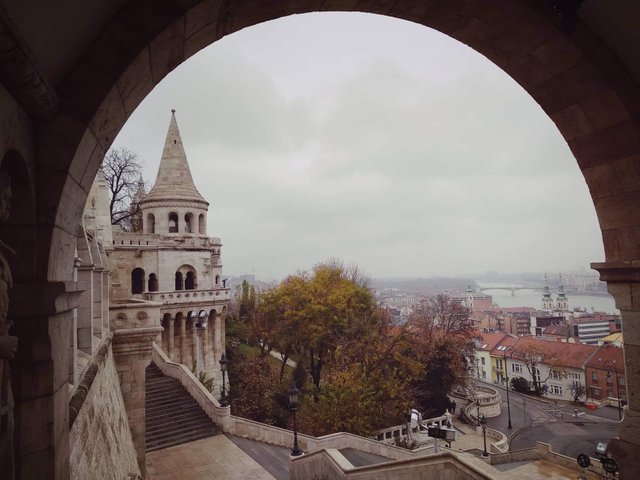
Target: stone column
<point x="132" y="348"/>
<point x="171" y="341"/>
<point x="40" y="374"/>
<point x="183" y="339"/>
<point x="623" y="282"/>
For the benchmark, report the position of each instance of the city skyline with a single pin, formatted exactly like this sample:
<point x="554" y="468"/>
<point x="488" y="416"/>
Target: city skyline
<point x="397" y="149"/>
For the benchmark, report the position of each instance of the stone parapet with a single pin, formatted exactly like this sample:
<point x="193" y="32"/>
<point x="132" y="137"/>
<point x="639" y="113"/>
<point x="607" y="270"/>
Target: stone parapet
<point x="190" y="296"/>
<point x="98" y="422"/>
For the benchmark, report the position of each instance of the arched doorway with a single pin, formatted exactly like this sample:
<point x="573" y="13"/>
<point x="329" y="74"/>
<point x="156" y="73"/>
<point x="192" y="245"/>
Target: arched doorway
<point x="585" y="88"/>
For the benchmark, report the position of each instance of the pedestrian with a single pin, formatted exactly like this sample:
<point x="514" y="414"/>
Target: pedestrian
<point x="453" y="408"/>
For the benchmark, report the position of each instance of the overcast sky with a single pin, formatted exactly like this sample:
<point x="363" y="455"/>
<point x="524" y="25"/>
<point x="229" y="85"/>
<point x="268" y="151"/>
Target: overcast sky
<point x="374" y="140"/>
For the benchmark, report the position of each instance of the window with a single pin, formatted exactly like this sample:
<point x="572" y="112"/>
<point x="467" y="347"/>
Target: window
<point x="621" y="381"/>
<point x="190" y="281"/>
<point x="483" y="360"/>
<point x="609" y="378"/>
<point x="217" y="279"/>
<point x="595" y="393"/>
<point x="188" y="223"/>
<point x="575" y="376"/>
<point x="516" y="368"/>
<point x="555" y="374"/>
<point x="201" y="224"/>
<point x="555" y="389"/>
<point x="137" y="281"/>
<point x="151" y="223"/>
<point x="179" y="281"/>
<point x="594" y="377"/>
<point x="153" y="283"/>
<point x="173" y="222"/>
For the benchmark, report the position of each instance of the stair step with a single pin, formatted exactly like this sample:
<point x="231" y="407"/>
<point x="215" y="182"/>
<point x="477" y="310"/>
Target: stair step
<point x="151" y="447"/>
<point x="173" y="417"/>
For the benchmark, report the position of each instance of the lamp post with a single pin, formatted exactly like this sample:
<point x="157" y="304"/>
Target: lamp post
<point x="483" y="422"/>
<point x="224" y="401"/>
<point x="507" y="378"/>
<point x="611" y="365"/>
<point x="293" y="406"/>
<point x="478" y="410"/>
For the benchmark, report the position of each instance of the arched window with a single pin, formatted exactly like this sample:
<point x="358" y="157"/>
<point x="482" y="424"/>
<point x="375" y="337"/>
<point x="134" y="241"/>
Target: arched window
<point x="152" y="285"/>
<point x="151" y="223"/>
<point x="217" y="279"/>
<point x="173" y="222"/>
<point x="201" y="224"/>
<point x="190" y="281"/>
<point x="137" y="281"/>
<point x="179" y="281"/>
<point x="188" y="223"/>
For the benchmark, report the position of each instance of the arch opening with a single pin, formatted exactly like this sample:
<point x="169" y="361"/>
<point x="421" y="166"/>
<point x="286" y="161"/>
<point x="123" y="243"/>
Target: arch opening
<point x="137" y="281"/>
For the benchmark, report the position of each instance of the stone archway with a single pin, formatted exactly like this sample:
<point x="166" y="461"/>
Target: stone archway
<point x="583" y="87"/>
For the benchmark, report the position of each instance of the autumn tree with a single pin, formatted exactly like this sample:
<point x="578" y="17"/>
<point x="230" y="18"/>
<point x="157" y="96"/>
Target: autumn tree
<point x="443" y="335"/>
<point x="123" y="173"/>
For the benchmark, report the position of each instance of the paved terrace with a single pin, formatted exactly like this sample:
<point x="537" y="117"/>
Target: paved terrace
<point x="231" y="457"/>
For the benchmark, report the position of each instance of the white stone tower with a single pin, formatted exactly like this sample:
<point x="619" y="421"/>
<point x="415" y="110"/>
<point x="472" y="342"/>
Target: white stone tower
<point x="174" y="205"/>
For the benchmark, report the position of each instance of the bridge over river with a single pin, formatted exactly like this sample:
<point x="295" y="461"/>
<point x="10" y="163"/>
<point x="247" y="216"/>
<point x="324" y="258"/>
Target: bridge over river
<point x="513" y="290"/>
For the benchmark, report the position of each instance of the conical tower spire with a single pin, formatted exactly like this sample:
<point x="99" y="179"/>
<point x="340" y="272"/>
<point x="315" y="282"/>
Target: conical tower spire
<point x="174" y="180"/>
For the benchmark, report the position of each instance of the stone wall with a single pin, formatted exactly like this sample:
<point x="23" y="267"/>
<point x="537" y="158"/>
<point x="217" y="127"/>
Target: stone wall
<point x="99" y="438"/>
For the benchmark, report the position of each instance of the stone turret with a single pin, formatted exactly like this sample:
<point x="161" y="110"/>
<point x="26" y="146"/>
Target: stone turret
<point x="174" y="205"/>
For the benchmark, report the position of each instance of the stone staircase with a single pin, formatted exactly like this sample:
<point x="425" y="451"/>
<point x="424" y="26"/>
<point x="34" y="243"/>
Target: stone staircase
<point x="173" y="417"/>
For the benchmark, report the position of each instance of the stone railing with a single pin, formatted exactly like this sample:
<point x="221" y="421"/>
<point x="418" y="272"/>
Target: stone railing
<point x="500" y="443"/>
<point x="221" y="416"/>
<point x="126" y="239"/>
<point x="246" y="428"/>
<point x="390" y="434"/>
<point x="189" y="296"/>
<point x="489" y="401"/>
<point x="446" y="465"/>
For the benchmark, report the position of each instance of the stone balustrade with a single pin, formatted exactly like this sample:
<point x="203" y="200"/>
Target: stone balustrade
<point x="187" y="296"/>
<point x="388" y="435"/>
<point x="127" y="239"/>
<point x="331" y="463"/>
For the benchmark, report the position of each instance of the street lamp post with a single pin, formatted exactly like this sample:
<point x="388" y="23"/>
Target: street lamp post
<point x="293" y="406"/>
<point x="478" y="410"/>
<point x="224" y="401"/>
<point x="507" y="378"/>
<point x="483" y="422"/>
<point x="611" y="365"/>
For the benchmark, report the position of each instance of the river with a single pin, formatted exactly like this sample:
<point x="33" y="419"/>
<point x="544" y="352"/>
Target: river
<point x="533" y="298"/>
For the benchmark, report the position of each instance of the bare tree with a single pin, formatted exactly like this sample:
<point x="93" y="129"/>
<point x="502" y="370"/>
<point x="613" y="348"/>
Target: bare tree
<point x="122" y="171"/>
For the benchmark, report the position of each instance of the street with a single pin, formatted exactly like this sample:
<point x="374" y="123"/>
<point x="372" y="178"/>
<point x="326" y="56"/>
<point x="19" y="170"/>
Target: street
<point x="536" y="420"/>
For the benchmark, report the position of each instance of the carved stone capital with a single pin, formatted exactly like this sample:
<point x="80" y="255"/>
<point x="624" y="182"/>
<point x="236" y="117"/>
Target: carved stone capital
<point x="618" y="271"/>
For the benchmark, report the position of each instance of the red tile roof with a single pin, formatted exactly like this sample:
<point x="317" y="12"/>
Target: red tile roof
<point x="609" y="354"/>
<point x="562" y="353"/>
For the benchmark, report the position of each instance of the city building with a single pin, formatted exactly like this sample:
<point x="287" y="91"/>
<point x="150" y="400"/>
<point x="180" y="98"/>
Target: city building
<point x="590" y="329"/>
<point x="559" y="367"/>
<point x="605" y="376"/>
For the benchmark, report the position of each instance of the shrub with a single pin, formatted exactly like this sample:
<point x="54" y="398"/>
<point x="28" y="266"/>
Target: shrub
<point x="520" y="384"/>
